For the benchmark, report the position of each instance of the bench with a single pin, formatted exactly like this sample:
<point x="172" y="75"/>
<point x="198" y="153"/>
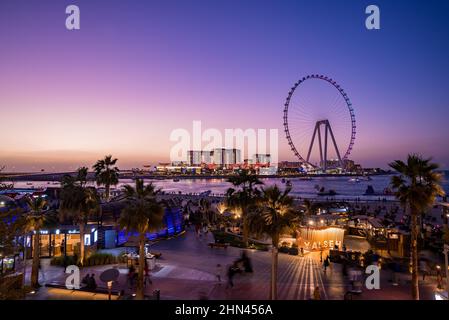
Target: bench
<point x="83" y="288"/>
<point x="218" y="245"/>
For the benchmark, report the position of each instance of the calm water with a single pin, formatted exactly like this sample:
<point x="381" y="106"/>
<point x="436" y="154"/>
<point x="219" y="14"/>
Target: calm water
<point x="301" y="188"/>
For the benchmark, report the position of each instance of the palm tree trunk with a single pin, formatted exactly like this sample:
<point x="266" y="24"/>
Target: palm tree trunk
<point x="245" y="229"/>
<point x="107" y="190"/>
<point x="140" y="293"/>
<point x="36" y="258"/>
<point x="82" y="226"/>
<point x="414" y="256"/>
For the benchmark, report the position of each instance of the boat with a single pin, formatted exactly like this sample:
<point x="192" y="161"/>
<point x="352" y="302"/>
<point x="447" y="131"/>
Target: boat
<point x="369" y="191"/>
<point x="354" y="180"/>
<point x="176" y="180"/>
<point x="288" y="183"/>
<point x="322" y="192"/>
<point x="283" y="180"/>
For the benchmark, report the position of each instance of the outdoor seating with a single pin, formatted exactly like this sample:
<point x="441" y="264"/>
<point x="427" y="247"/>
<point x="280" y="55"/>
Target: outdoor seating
<point x="83" y="287"/>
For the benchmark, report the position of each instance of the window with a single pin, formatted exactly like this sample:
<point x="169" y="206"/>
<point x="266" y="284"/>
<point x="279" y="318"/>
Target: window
<point x="87" y="239"/>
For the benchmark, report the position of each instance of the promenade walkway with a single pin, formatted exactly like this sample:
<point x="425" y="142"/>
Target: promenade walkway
<point x="187" y="271"/>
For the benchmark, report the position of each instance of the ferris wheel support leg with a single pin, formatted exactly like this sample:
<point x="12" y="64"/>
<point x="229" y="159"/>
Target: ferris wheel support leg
<point x="320" y="143"/>
<point x="311" y="142"/>
<point x="326" y="129"/>
<point x="335" y="144"/>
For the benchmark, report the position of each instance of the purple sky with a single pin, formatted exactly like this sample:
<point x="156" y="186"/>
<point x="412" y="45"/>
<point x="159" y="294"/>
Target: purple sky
<point x="139" y="69"/>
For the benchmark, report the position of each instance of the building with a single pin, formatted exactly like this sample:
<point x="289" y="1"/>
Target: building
<point x="222" y="156"/>
<point x="268" y="171"/>
<point x="196" y="157"/>
<point x="65" y="239"/>
<point x="262" y="158"/>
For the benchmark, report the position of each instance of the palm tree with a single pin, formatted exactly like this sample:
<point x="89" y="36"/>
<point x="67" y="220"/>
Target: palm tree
<point x="79" y="203"/>
<point x="244" y="199"/>
<point x="308" y="206"/>
<point x="416" y="187"/>
<point x="35" y="220"/>
<point x="106" y="173"/>
<point x="142" y="214"/>
<point x="275" y="215"/>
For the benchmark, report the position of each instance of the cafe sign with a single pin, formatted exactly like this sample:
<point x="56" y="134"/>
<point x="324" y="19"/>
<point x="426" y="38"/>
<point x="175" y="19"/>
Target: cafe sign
<point x="320" y="238"/>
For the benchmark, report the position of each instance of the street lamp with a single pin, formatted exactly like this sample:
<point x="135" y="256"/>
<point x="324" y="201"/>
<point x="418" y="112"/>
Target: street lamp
<point x="109" y="289"/>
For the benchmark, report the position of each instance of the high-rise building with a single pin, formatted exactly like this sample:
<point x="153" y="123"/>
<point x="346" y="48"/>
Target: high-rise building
<point x="196" y="157"/>
<point x="222" y="156"/>
<point x="262" y="158"/>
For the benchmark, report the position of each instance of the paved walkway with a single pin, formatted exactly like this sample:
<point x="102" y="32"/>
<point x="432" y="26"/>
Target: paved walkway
<point x="187" y="267"/>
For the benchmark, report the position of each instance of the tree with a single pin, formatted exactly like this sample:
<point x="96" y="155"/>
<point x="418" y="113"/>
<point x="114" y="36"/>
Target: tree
<point x="79" y="203"/>
<point x="244" y="199"/>
<point x="35" y="221"/>
<point x="106" y="173"/>
<point x="416" y="186"/>
<point x="142" y="214"/>
<point x="274" y="216"/>
<point x="12" y="224"/>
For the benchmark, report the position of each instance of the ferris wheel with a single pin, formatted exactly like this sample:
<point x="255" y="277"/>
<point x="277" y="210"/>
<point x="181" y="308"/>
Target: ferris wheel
<point x="319" y="122"/>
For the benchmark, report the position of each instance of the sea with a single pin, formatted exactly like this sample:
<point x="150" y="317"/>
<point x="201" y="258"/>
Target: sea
<point x="345" y="187"/>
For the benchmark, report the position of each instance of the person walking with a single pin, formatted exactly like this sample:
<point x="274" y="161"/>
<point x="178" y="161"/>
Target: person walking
<point x="424" y="269"/>
<point x="316" y="294"/>
<point x="231" y="274"/>
<point x="218" y="271"/>
<point x="131" y="273"/>
<point x="147" y="275"/>
<point x="326" y="264"/>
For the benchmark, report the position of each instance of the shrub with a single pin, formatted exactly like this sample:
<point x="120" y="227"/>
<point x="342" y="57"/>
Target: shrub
<point x="97" y="259"/>
<point x="59" y="261"/>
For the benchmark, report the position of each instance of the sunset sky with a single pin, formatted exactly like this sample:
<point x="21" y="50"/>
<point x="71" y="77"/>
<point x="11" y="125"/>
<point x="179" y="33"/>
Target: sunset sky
<point x="139" y="69"/>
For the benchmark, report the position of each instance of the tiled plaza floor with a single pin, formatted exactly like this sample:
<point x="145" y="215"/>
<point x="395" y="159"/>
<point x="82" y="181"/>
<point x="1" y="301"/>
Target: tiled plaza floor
<point x="187" y="268"/>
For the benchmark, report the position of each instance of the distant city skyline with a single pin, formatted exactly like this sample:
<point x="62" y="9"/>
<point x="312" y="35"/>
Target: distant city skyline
<point x="137" y="70"/>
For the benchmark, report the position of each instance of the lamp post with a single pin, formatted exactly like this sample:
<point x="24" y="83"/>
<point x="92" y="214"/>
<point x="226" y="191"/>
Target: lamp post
<point x="109" y="289"/>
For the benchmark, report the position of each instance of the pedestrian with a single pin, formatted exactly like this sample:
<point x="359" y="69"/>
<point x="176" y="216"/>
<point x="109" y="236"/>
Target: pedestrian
<point x="85" y="280"/>
<point x="424" y="269"/>
<point x="246" y="261"/>
<point x="147" y="275"/>
<point x="231" y="273"/>
<point x="64" y="263"/>
<point x="326" y="264"/>
<point x="91" y="283"/>
<point x="316" y="294"/>
<point x="42" y="272"/>
<point x="131" y="273"/>
<point x="218" y="272"/>
<point x="302" y="252"/>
